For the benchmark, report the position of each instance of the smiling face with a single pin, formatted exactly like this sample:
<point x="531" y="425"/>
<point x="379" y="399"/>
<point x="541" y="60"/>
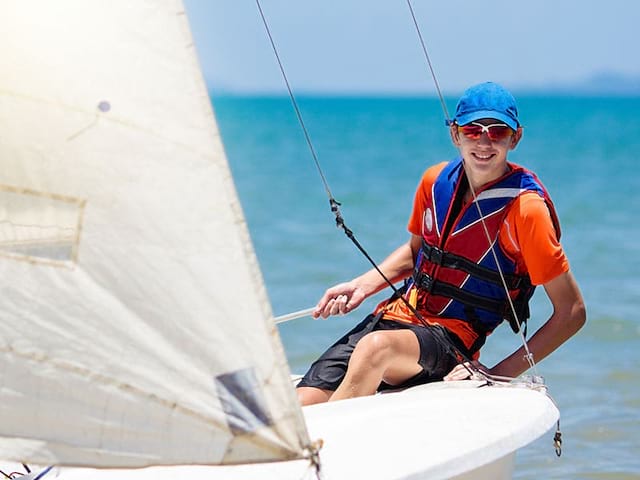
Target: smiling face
<point x="485" y="160"/>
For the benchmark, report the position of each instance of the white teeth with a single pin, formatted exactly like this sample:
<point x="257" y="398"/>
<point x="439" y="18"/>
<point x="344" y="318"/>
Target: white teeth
<point x="483" y="157"/>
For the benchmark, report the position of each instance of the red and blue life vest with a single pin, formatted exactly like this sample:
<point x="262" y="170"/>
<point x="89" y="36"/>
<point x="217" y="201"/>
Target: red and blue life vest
<point x="456" y="272"/>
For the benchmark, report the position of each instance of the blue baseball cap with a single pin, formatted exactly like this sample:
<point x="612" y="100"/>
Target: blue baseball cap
<point x="487" y="100"/>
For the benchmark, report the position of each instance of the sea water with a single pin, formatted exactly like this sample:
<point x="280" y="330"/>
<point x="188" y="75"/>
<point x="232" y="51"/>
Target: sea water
<point x="371" y="152"/>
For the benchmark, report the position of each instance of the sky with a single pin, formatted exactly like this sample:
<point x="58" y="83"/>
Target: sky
<point x="371" y="46"/>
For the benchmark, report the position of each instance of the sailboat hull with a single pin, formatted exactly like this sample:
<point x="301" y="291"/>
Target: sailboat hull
<point x="460" y="430"/>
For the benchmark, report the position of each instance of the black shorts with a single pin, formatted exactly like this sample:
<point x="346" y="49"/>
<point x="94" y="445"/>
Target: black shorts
<point x="328" y="371"/>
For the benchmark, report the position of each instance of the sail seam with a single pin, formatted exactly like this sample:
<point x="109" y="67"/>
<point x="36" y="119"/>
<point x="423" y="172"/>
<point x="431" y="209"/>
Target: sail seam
<point x="106" y="380"/>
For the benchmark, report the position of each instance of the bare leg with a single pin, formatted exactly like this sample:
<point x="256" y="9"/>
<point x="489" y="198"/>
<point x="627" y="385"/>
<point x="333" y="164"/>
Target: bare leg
<point x="386" y="355"/>
<point x="311" y="395"/>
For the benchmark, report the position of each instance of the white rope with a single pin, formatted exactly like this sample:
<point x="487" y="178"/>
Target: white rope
<point x="528" y="355"/>
<point x="293" y="315"/>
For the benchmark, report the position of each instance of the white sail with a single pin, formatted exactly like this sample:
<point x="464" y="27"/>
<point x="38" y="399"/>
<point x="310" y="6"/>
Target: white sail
<point x="135" y="328"/>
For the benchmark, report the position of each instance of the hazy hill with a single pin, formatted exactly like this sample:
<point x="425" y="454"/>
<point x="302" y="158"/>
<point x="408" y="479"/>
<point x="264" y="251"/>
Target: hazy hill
<point x="602" y="83"/>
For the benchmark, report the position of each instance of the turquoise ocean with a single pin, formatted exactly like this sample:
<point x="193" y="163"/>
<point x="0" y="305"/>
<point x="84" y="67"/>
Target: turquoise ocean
<point x="372" y="152"/>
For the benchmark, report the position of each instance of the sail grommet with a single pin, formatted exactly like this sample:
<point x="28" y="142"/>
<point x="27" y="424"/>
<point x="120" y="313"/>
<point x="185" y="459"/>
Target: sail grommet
<point x="104" y="106"/>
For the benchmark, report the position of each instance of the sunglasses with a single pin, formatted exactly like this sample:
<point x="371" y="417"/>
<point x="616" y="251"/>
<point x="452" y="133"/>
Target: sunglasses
<point x="495" y="131"/>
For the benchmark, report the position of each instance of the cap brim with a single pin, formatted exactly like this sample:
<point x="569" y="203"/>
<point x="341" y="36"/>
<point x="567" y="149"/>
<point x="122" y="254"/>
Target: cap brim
<point x="473" y="116"/>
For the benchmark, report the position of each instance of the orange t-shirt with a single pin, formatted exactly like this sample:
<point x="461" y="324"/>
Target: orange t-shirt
<point x="527" y="235"/>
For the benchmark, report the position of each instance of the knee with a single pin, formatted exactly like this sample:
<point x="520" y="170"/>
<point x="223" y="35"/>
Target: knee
<point x="375" y="347"/>
<point x="312" y="395"/>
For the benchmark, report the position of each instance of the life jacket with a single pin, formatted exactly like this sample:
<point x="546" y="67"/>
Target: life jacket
<point x="456" y="274"/>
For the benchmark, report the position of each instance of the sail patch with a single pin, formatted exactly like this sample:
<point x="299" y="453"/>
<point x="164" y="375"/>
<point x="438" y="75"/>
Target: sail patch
<point x="243" y="402"/>
<point x="39" y="227"/>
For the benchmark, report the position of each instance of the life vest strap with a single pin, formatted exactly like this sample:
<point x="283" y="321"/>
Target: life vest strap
<point x="436" y="287"/>
<point x="428" y="284"/>
<point x="439" y="257"/>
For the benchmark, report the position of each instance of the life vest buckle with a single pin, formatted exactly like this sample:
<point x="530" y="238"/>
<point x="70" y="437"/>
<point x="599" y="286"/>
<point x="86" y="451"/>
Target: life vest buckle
<point x="431" y="253"/>
<point x="435" y="256"/>
<point x="424" y="282"/>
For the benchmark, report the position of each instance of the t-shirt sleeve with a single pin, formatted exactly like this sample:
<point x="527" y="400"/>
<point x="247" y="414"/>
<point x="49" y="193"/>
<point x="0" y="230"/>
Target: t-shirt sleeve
<point x="422" y="198"/>
<point x="531" y="233"/>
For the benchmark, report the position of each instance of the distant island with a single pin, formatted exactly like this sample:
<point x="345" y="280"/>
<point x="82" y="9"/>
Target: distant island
<point x="602" y="83"/>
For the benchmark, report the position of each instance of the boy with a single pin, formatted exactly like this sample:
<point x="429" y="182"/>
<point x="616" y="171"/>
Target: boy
<point x="484" y="233"/>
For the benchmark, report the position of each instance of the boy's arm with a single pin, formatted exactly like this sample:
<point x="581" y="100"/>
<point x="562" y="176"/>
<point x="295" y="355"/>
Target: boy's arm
<point x="569" y="315"/>
<point x="344" y="297"/>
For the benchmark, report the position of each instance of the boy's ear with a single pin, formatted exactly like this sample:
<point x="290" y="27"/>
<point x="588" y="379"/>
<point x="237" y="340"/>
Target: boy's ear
<point x="515" y="139"/>
<point x="455" y="135"/>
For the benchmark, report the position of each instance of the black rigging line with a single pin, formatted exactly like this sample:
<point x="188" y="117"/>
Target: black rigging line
<point x="440" y="336"/>
<point x="334" y="203"/>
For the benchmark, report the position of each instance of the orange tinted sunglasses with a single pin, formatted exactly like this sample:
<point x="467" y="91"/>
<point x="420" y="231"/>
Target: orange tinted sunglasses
<point x="495" y="131"/>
